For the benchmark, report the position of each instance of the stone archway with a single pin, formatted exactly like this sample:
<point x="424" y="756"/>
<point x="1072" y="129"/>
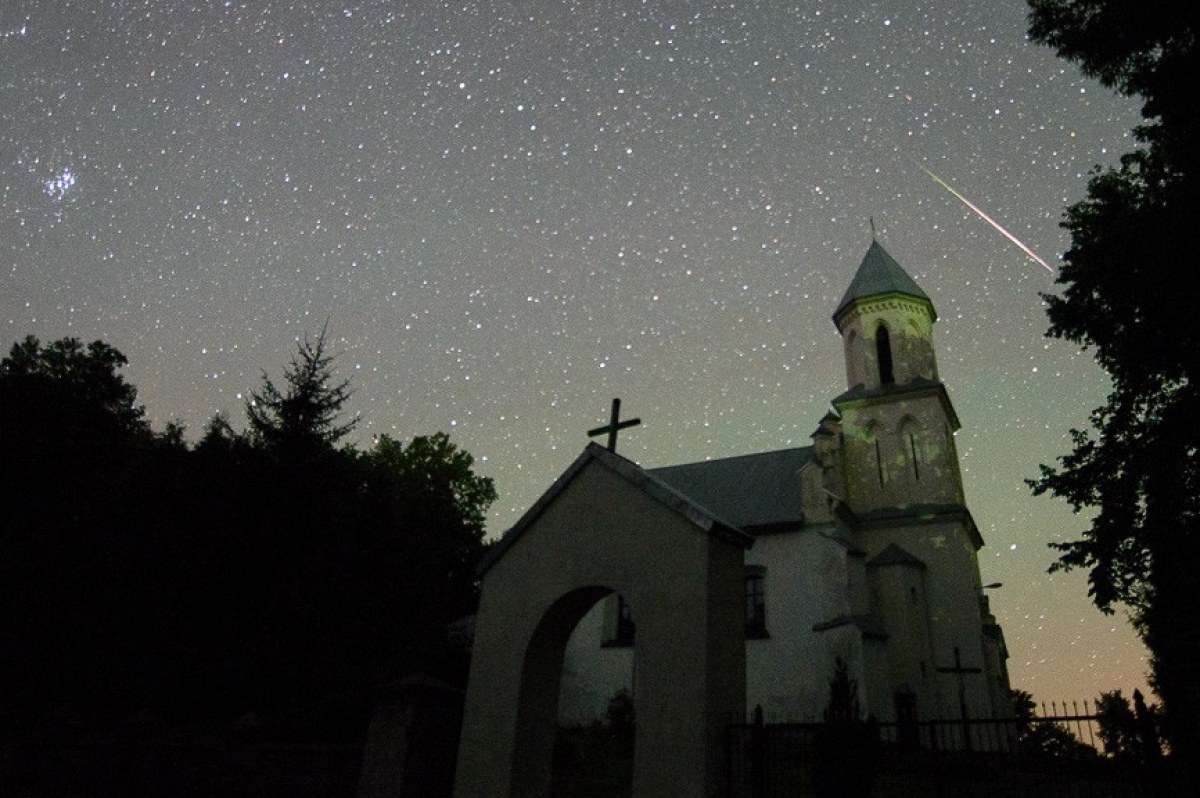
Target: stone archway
<point x="608" y="526"/>
<point x="537" y="701"/>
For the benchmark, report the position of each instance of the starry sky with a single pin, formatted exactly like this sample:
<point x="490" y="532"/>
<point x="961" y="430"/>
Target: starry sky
<point x="510" y="212"/>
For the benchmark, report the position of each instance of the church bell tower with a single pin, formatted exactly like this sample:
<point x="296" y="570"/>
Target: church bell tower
<point x="901" y="503"/>
<point x="897" y="419"/>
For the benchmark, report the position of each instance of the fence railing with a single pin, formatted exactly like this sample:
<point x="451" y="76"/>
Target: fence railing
<point x="1060" y="752"/>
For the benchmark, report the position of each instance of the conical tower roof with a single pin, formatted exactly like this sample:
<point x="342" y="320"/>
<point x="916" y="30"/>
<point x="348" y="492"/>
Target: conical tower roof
<point x="879" y="274"/>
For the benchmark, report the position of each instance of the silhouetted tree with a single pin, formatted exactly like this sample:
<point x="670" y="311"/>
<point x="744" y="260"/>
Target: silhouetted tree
<point x="847" y="744"/>
<point x="74" y="447"/>
<point x="67" y="377"/>
<point x="1042" y="737"/>
<point x="303" y="418"/>
<point x="438" y="505"/>
<point x="1118" y="725"/>
<point x="270" y="571"/>
<point x="1123" y="297"/>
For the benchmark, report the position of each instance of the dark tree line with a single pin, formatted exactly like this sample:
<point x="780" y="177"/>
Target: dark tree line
<point x="277" y="571"/>
<point x="1125" y="296"/>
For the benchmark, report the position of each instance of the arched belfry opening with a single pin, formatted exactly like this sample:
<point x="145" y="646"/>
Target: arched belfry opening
<point x="883" y="355"/>
<point x="606" y="526"/>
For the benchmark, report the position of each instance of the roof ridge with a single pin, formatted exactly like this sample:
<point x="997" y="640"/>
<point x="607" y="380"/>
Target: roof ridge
<point x="878" y="273"/>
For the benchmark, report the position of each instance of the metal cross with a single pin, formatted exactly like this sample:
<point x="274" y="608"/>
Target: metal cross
<point x="960" y="671"/>
<point x="614" y="425"/>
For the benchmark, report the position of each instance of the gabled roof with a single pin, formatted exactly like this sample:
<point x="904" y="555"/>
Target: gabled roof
<point x="896" y="555"/>
<point x="754" y="492"/>
<point x="639" y="479"/>
<point x="879" y="274"/>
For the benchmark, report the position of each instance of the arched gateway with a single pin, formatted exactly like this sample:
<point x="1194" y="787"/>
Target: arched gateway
<point x="608" y="526"/>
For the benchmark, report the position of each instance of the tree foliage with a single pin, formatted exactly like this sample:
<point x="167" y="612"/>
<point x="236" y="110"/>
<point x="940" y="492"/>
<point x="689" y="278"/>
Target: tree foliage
<point x="1118" y="726"/>
<point x="303" y="417"/>
<point x="1043" y="737"/>
<point x="846" y="748"/>
<point x="275" y="571"/>
<point x="70" y="384"/>
<point x="1124" y="297"/>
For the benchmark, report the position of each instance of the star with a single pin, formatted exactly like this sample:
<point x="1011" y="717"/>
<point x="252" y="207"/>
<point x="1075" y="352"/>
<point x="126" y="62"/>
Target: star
<point x="508" y="219"/>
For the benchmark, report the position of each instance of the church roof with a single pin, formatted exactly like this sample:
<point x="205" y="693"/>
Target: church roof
<point x="753" y="492"/>
<point x="640" y="479"/>
<point x="879" y="273"/>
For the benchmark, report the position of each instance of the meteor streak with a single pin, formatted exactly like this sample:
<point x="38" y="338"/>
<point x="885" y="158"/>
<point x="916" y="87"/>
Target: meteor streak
<point x="1032" y="255"/>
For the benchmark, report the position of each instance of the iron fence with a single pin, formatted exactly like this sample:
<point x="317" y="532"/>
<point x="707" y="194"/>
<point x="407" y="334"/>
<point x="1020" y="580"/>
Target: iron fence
<point x="1057" y="754"/>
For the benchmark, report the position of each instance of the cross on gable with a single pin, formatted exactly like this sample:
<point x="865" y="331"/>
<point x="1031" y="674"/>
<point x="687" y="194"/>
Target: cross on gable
<point x="614" y="425"/>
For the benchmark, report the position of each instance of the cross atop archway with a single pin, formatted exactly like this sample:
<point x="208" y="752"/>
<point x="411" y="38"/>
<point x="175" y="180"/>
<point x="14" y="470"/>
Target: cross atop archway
<point x="614" y="425"/>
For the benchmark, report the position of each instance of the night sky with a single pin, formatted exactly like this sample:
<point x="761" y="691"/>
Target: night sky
<point x="509" y="213"/>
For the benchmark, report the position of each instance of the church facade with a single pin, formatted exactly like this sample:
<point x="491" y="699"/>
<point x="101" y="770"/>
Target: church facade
<point x="863" y="548"/>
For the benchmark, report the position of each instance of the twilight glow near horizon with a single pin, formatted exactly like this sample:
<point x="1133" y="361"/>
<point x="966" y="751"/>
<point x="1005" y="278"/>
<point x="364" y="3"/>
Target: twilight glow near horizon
<point x="512" y="212"/>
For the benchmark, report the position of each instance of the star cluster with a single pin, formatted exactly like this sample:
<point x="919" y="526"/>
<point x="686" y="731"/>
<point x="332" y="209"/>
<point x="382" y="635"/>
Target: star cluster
<point x="509" y="213"/>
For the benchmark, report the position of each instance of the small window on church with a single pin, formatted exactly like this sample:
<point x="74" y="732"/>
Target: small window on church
<point x="916" y="461"/>
<point x="908" y="434"/>
<point x="625" y="625"/>
<point x="883" y="353"/>
<point x="756" y="602"/>
<point x="619" y="627"/>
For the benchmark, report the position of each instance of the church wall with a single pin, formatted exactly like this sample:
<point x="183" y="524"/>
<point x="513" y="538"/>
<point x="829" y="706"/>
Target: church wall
<point x="807" y="584"/>
<point x="952" y="591"/>
<point x="900" y="598"/>
<point x="875" y="685"/>
<point x="787" y="673"/>
<point x="884" y="467"/>
<point x="995" y="656"/>
<point x="809" y="581"/>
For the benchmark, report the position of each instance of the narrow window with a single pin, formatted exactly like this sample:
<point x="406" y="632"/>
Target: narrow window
<point x="879" y="462"/>
<point x="756" y="602"/>
<point x="626" y="628"/>
<point x="912" y="445"/>
<point x="883" y="353"/>
<point x="619" y="629"/>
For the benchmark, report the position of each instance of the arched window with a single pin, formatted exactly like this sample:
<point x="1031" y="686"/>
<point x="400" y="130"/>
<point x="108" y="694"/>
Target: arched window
<point x="854" y="358"/>
<point x="872" y="437"/>
<point x="883" y="354"/>
<point x="909" y="439"/>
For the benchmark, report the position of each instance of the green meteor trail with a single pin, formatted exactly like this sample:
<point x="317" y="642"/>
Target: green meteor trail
<point x="1032" y="255"/>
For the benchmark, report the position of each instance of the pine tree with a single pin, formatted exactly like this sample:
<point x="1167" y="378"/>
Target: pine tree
<point x="303" y="418"/>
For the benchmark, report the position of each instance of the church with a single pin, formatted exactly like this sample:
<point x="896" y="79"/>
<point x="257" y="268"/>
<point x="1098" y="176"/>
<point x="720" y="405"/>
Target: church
<point x="859" y="548"/>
